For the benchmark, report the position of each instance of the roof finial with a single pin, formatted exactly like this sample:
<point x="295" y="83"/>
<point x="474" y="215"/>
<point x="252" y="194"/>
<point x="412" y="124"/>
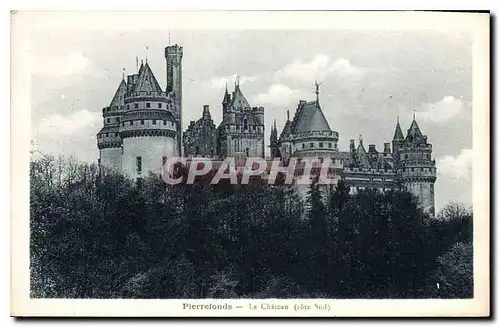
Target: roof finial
<point x="237" y="81"/>
<point x="317" y="89"/>
<point x="275" y="124"/>
<point x="413" y="114"/>
<point x="169" y="36"/>
<point x="137" y="63"/>
<point x="123" y="74"/>
<point x="147" y="54"/>
<point x="288" y="114"/>
<point x="360" y="139"/>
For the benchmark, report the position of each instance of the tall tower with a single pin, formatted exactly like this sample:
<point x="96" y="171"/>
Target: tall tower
<point x="274" y="141"/>
<point x="415" y="168"/>
<point x="173" y="56"/>
<point x="397" y="141"/>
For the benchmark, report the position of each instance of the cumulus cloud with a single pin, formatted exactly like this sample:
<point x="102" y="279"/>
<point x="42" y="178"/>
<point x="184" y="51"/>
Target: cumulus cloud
<point x="69" y="64"/>
<point x="318" y="69"/>
<point x="79" y="122"/>
<point x="458" y="167"/>
<point x="277" y="94"/>
<point x="442" y="111"/>
<point x="219" y="82"/>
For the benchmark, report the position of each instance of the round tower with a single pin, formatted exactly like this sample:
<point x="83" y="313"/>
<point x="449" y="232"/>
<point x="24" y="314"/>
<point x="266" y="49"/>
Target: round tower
<point x="415" y="168"/>
<point x="148" y="129"/>
<point x="108" y="138"/>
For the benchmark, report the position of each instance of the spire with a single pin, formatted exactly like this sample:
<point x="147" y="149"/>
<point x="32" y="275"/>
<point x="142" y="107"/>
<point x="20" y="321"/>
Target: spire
<point x="226" y="98"/>
<point x="288" y="115"/>
<point x="123" y="74"/>
<point x="398" y="134"/>
<point x="317" y="90"/>
<point x="137" y="64"/>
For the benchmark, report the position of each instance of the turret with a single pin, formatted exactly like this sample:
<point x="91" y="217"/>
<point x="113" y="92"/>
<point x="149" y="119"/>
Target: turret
<point x="173" y="58"/>
<point x="108" y="138"/>
<point x="397" y="141"/>
<point x="416" y="170"/>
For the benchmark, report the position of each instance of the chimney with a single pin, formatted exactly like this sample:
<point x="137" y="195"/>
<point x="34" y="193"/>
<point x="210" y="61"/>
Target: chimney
<point x="206" y="110"/>
<point x="387" y="147"/>
<point x="371" y="148"/>
<point x="351" y="146"/>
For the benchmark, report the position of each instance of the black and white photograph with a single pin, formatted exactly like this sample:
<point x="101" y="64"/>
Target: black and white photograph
<point x="252" y="171"/>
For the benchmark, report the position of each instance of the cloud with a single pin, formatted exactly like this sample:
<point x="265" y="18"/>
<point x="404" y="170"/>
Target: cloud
<point x="277" y="94"/>
<point x="442" y="111"/>
<point x="79" y="122"/>
<point x="70" y="64"/>
<point x="459" y="167"/>
<point x="221" y="81"/>
<point x="318" y="69"/>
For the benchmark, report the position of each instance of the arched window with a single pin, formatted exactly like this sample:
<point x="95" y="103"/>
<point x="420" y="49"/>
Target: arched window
<point x="245" y="124"/>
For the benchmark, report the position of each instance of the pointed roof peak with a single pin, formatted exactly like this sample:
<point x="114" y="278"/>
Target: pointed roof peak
<point x="398" y="134"/>
<point x="119" y="97"/>
<point x="146" y="81"/>
<point x="309" y="118"/>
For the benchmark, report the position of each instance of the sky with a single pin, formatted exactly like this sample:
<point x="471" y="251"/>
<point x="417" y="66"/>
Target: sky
<point x="368" y="79"/>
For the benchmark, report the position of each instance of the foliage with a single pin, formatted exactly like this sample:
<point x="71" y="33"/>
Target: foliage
<point x="100" y="235"/>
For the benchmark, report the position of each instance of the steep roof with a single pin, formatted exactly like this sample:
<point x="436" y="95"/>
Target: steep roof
<point x="414" y="133"/>
<point x="362" y="157"/>
<point x="309" y="118"/>
<point x="119" y="98"/>
<point x="239" y="102"/>
<point x="147" y="81"/>
<point x="286" y="129"/>
<point x="398" y="134"/>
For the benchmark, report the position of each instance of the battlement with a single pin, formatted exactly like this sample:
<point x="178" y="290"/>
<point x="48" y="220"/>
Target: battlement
<point x="369" y="171"/>
<point x="173" y="49"/>
<point x="309" y="134"/>
<point x="147" y="94"/>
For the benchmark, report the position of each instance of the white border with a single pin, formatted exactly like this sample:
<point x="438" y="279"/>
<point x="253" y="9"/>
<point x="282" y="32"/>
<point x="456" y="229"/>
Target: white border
<point x="22" y="22"/>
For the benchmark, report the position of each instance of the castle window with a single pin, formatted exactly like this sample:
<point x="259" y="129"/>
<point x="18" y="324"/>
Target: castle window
<point x="253" y="128"/>
<point x="303" y="145"/>
<point x="138" y="161"/>
<point x="108" y="120"/>
<point x="245" y="124"/>
<point x="335" y="145"/>
<point x="106" y="134"/>
<point x="320" y="144"/>
<point x="117" y="119"/>
<point x="406" y="156"/>
<point x="142" y="121"/>
<point x="154" y="122"/>
<point x="159" y="105"/>
<point x="148" y="105"/>
<point x="330" y="145"/>
<point x="136" y="105"/>
<point x="164" y="122"/>
<point x="163" y="160"/>
<point x="128" y="106"/>
<point x="247" y="150"/>
<point x="311" y="144"/>
<point x="131" y="123"/>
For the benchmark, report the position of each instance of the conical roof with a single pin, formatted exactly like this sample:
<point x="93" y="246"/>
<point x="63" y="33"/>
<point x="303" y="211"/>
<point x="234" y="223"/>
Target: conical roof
<point x="239" y="102"/>
<point x="414" y="132"/>
<point x="310" y="118"/>
<point x="119" y="98"/>
<point x="146" y="81"/>
<point x="398" y="134"/>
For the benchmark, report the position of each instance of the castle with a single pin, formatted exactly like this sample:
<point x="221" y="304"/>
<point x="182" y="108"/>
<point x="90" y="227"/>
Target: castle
<point x="143" y="127"/>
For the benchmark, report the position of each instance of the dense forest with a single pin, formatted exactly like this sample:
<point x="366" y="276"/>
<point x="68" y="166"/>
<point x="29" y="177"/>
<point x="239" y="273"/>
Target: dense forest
<point x="103" y="236"/>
